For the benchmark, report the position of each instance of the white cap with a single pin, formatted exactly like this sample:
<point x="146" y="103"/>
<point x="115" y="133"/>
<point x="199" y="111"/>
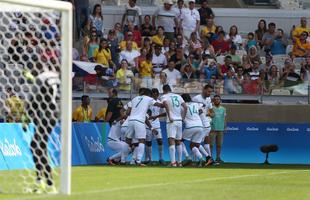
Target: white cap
<point x="191" y="1"/>
<point x="168" y="2"/>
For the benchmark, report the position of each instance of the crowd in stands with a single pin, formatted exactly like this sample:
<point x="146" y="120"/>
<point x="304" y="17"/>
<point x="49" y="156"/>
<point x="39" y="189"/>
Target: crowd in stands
<point x="182" y="46"/>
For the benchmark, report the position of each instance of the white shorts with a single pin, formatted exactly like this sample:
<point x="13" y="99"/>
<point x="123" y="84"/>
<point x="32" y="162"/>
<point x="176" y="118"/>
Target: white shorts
<point x="150" y="136"/>
<point x="136" y="130"/>
<point x="206" y="132"/>
<point x="194" y="134"/>
<point x="117" y="146"/>
<point x="174" y="130"/>
<point x="123" y="132"/>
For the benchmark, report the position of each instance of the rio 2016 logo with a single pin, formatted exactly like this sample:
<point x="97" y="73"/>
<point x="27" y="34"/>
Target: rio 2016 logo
<point x="10" y="149"/>
<point x="94" y="146"/>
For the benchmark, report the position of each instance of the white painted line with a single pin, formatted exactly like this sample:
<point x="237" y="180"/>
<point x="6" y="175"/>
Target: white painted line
<point x="160" y="185"/>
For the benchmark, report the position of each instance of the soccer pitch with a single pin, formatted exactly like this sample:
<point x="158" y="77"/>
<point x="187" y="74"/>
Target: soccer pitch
<point x="229" y="181"/>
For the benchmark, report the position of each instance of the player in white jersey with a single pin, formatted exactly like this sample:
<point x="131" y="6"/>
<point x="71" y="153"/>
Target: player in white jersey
<point x="136" y="123"/>
<point x="206" y="116"/>
<point x="193" y="131"/>
<point x="176" y="110"/>
<point x="154" y="113"/>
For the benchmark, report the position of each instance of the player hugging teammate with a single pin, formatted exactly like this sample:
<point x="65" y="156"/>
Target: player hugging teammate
<point x="138" y="124"/>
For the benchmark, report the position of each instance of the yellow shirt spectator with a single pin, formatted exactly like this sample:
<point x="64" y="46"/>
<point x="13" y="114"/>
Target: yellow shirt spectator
<point x="124" y="76"/>
<point x="146" y="69"/>
<point x="301" y="49"/>
<point x="16" y="109"/>
<point x="82" y="115"/>
<point x="206" y="30"/>
<point x="102" y="57"/>
<point x="122" y="45"/>
<point x="298" y="31"/>
<point x="158" y="40"/>
<point x="101" y="114"/>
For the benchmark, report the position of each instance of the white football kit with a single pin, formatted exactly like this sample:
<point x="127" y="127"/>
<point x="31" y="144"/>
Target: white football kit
<point x="174" y="102"/>
<point x="206" y="120"/>
<point x="136" y="123"/>
<point x="155" y="124"/>
<point x="193" y="125"/>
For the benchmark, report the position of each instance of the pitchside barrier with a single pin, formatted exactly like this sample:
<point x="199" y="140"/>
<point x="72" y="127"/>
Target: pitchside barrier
<point x="242" y="144"/>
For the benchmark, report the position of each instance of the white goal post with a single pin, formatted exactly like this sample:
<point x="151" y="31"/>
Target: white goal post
<point x="65" y="9"/>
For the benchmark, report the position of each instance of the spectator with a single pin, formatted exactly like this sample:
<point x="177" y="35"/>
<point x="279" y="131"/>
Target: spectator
<point x="253" y="55"/>
<point x="146" y="71"/>
<point x="118" y="32"/>
<point x="133" y="14"/>
<point x="84" y="112"/>
<point x="290" y="77"/>
<point x="124" y="76"/>
<point x="226" y="66"/>
<point x="166" y="45"/>
<point x="208" y="49"/>
<point x="254" y="70"/>
<point x="129" y="37"/>
<point x="273" y="78"/>
<point x="208" y="31"/>
<point x="159" y="37"/>
<point x="194" y="60"/>
<point x="15" y="107"/>
<point x="75" y="54"/>
<point x="218" y="126"/>
<point x="305" y="70"/>
<point x="180" y="9"/>
<point x="91" y="46"/>
<point x="188" y="73"/>
<point x="269" y="37"/>
<point x="172" y="50"/>
<point x="246" y="64"/>
<point x="173" y="75"/>
<point x="235" y="59"/>
<point x="234" y="37"/>
<point x="205" y="13"/>
<point x="130" y="55"/>
<point x="136" y="35"/>
<point x="142" y="57"/>
<point x="195" y="44"/>
<point x="159" y="60"/>
<point x="147" y="29"/>
<point x="180" y="41"/>
<point x="249" y="86"/>
<point x="239" y="79"/>
<point x="179" y="58"/>
<point x="81" y="14"/>
<point x="166" y="17"/>
<point x="191" y="20"/>
<point x="159" y="83"/>
<point x="105" y="76"/>
<point x="102" y="55"/>
<point x="101" y="114"/>
<point x="251" y="41"/>
<point x="300" y="29"/>
<point x="114" y="48"/>
<point x="279" y="43"/>
<point x="268" y="64"/>
<point x="208" y="69"/>
<point x="261" y="82"/>
<point x="147" y="44"/>
<point x="220" y="45"/>
<point x="230" y="82"/>
<point x="260" y="31"/>
<point x="96" y="19"/>
<point x="302" y="46"/>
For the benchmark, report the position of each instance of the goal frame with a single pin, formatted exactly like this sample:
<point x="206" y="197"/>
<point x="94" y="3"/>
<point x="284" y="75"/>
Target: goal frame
<point x="66" y="82"/>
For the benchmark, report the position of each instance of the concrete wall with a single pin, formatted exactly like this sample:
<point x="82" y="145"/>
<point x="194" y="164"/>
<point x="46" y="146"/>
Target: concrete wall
<point x="245" y="19"/>
<point x="247" y="112"/>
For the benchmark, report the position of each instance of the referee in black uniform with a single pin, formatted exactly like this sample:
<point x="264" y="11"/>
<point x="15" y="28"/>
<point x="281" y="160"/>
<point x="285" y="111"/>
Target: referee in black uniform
<point x="115" y="106"/>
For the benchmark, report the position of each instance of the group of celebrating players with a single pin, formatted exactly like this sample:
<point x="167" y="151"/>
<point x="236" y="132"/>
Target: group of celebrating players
<point x="136" y="124"/>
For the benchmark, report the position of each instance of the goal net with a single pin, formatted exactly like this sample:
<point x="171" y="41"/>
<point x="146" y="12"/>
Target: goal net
<point x="35" y="88"/>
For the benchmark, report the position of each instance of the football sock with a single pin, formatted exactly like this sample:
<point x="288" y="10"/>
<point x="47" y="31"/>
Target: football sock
<point x="172" y="153"/>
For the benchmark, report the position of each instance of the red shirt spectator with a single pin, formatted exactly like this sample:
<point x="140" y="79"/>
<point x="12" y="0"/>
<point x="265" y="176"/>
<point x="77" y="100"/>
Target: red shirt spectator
<point x="220" y="45"/>
<point x="249" y="86"/>
<point x="136" y="35"/>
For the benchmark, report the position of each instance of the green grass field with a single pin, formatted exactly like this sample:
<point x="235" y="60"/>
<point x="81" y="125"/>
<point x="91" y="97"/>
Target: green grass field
<point x="225" y="182"/>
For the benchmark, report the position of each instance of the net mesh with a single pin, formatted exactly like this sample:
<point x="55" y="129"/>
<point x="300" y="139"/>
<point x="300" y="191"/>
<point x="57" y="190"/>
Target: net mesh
<point x="30" y="63"/>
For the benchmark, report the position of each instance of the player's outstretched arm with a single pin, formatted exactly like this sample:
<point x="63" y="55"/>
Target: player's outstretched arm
<point x="167" y="111"/>
<point x="184" y="110"/>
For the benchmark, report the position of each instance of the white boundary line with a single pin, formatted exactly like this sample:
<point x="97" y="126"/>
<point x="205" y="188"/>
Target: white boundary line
<point x="159" y="185"/>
